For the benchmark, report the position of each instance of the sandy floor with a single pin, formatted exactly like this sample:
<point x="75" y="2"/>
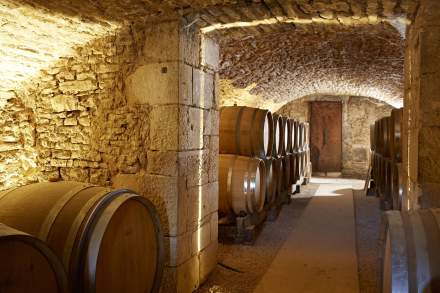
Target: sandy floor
<point x="241" y="268"/>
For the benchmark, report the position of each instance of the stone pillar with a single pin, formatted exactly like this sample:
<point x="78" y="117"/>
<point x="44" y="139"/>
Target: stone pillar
<point x="422" y="109"/>
<point x="177" y="77"/>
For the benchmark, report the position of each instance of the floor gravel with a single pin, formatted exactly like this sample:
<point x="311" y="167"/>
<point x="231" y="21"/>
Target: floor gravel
<point x="241" y="267"/>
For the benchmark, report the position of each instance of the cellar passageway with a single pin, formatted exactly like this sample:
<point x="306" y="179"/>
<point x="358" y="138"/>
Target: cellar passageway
<point x="312" y="247"/>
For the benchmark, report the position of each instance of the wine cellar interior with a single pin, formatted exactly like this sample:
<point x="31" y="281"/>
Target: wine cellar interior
<point x="219" y="146"/>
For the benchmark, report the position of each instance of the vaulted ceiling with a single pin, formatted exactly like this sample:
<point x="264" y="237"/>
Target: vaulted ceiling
<point x="36" y="33"/>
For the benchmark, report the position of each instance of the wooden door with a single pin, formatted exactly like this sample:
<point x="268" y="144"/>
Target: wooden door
<point x="326" y="136"/>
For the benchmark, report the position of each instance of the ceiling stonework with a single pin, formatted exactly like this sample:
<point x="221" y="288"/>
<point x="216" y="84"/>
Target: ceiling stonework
<point x="273" y="69"/>
<point x="37" y="33"/>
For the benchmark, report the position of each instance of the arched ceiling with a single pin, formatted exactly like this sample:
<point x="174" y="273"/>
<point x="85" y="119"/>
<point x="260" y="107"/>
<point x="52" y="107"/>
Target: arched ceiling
<point x="37" y="33"/>
<point x="273" y="69"/>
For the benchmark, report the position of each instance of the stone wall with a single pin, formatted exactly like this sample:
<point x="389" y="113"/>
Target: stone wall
<point x="357" y="114"/>
<point x="421" y="116"/>
<point x="175" y="78"/>
<point x="137" y="109"/>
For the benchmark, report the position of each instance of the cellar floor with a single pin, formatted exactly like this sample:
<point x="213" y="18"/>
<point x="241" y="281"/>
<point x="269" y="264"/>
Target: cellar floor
<point x="311" y="247"/>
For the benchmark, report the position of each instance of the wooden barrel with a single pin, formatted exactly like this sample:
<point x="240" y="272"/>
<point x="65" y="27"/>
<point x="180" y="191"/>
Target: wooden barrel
<point x="242" y="185"/>
<point x="293" y="173"/>
<point x="411" y="251"/>
<point x="271" y="181"/>
<point x="385" y="184"/>
<point x="301" y="137"/>
<point x="377" y="136"/>
<point x="295" y="139"/>
<point x="286" y="135"/>
<point x="286" y="173"/>
<point x="288" y="146"/>
<point x="27" y="265"/>
<point x="246" y="131"/>
<point x="108" y="241"/>
<point x="306" y="136"/>
<point x="397" y="185"/>
<point x="277" y="165"/>
<point x="386" y="137"/>
<point x="278" y="135"/>
<point x="396" y="135"/>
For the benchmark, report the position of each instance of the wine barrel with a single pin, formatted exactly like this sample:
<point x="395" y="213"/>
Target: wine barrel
<point x="242" y="185"/>
<point x="288" y="133"/>
<point x="411" y="251"/>
<point x="307" y="136"/>
<point x="396" y="135"/>
<point x="27" y="265"/>
<point x="385" y="184"/>
<point x="295" y="139"/>
<point x="301" y="137"/>
<point x="293" y="173"/>
<point x="278" y="134"/>
<point x="277" y="165"/>
<point x="271" y="181"/>
<point x="386" y="136"/>
<point x="286" y="173"/>
<point x="108" y="241"/>
<point x="397" y="185"/>
<point x="246" y="131"/>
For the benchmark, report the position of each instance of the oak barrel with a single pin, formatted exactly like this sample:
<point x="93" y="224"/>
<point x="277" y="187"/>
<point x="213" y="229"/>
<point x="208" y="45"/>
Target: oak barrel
<point x="278" y="135"/>
<point x="293" y="172"/>
<point x="395" y="144"/>
<point x="246" y="131"/>
<point x="242" y="185"/>
<point x="286" y="173"/>
<point x="397" y="185"/>
<point x="411" y="251"/>
<point x="277" y="164"/>
<point x="108" y="240"/>
<point x="27" y="265"/>
<point x="287" y="148"/>
<point x="271" y="181"/>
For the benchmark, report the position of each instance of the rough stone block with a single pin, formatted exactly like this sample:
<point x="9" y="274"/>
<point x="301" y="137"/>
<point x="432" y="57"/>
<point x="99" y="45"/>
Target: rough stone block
<point x="162" y="163"/>
<point x="74" y="174"/>
<point x="162" y="42"/>
<point x="191" y="128"/>
<point x="202" y="203"/>
<point x="208" y="261"/>
<point x="77" y="86"/>
<point x="160" y="190"/>
<point x="190" y="42"/>
<point x="62" y="103"/>
<point x="164" y="128"/>
<point x="210" y="53"/>
<point x="201" y="238"/>
<point x="179" y="250"/>
<point x="154" y="84"/>
<point x="186" y="84"/>
<point x="183" y="279"/>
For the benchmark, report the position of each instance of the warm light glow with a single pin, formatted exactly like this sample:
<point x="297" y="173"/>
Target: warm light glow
<point x="33" y="48"/>
<point x="366" y="20"/>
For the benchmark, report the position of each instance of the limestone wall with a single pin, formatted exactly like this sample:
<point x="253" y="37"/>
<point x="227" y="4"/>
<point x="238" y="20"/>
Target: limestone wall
<point x="357" y="114"/>
<point x="137" y="109"/>
<point x="421" y="115"/>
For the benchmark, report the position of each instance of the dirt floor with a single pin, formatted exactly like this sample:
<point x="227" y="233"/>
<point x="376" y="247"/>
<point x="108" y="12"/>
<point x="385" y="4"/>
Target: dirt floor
<point x="241" y="267"/>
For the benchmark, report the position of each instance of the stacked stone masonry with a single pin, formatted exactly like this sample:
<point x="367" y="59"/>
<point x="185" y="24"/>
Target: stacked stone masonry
<point x="132" y="109"/>
<point x="357" y="114"/>
<point x="421" y="112"/>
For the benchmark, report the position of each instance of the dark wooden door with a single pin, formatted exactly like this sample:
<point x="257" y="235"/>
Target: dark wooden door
<point x="326" y="136"/>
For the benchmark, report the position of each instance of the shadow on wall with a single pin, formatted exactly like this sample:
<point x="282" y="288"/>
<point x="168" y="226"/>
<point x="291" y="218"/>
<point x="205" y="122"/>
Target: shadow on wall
<point x="74" y="123"/>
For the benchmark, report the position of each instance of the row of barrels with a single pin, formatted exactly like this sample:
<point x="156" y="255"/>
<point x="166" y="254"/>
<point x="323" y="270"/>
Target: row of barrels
<point x="262" y="156"/>
<point x="249" y="185"/>
<point x="254" y="132"/>
<point x="386" y="160"/>
<point x="411" y="251"/>
<point x="74" y="237"/>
